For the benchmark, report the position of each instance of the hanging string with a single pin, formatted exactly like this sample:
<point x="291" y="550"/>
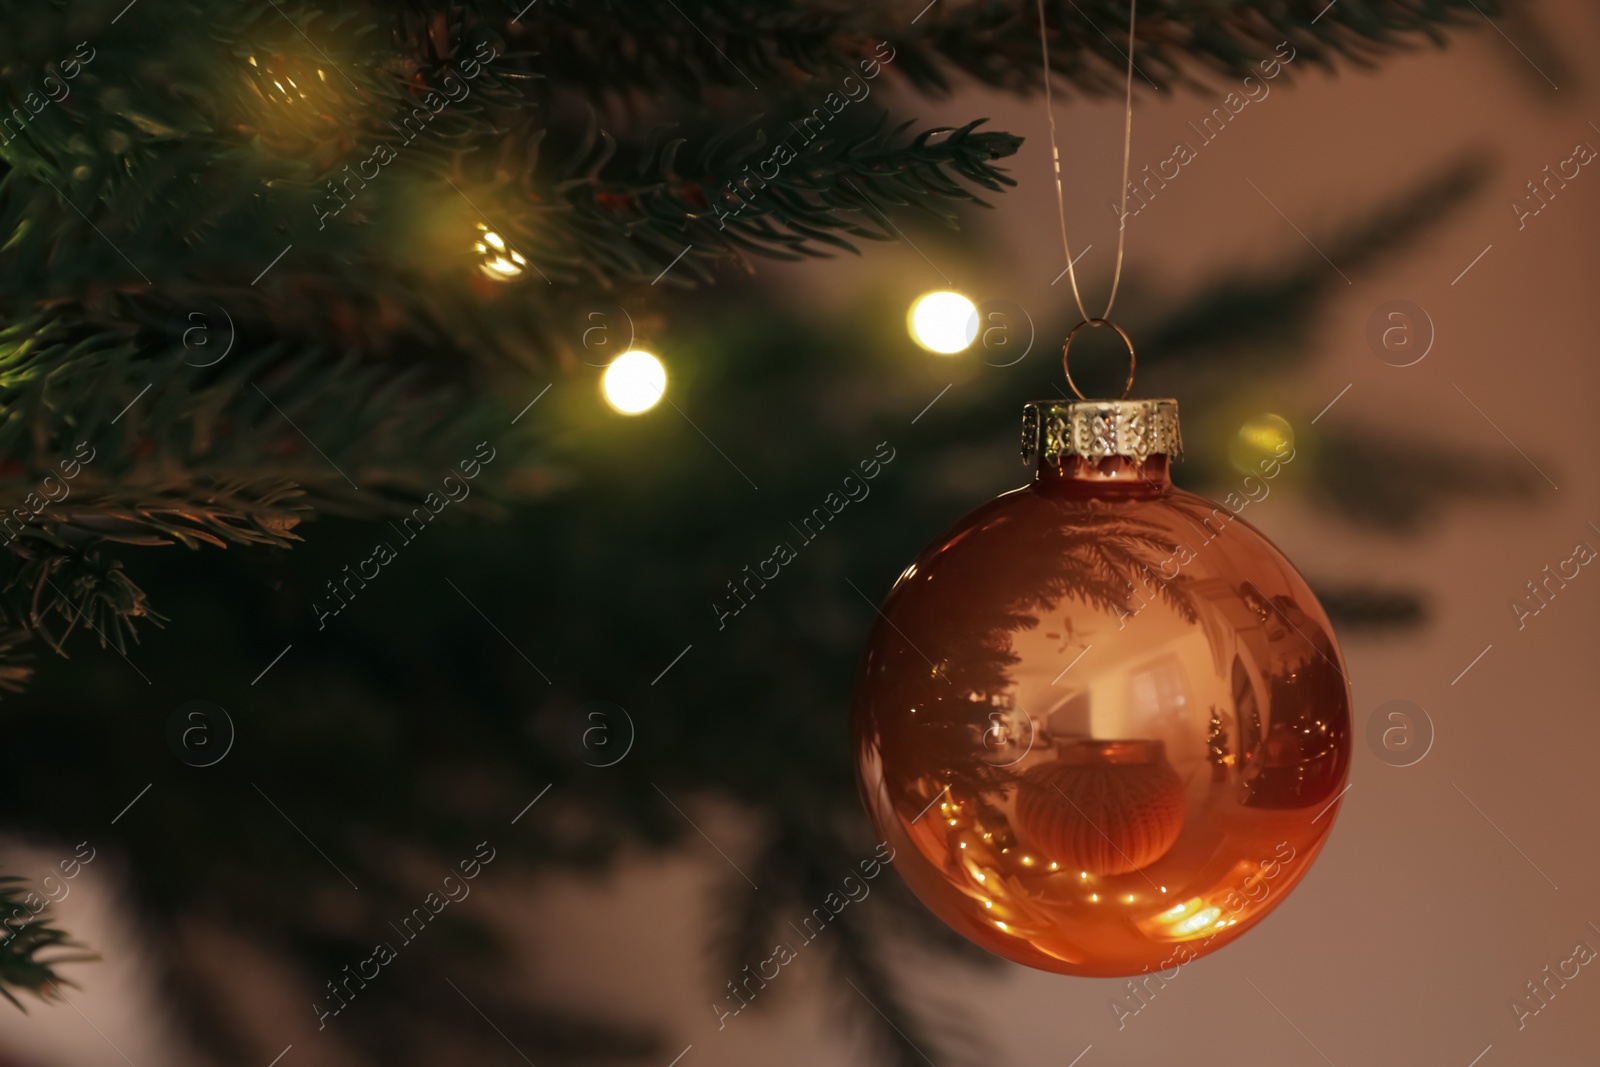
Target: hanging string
<point x="1055" y="155"/>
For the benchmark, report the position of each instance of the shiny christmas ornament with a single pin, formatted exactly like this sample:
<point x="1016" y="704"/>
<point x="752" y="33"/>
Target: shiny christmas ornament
<point x="1103" y="721"/>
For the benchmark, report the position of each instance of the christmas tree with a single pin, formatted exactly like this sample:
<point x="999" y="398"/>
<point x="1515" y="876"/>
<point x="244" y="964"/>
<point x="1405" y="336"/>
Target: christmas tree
<point x="272" y="266"/>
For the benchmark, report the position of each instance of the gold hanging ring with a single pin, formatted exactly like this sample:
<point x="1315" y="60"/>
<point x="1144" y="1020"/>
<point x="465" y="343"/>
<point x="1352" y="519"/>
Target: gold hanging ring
<point x="1065" y="348"/>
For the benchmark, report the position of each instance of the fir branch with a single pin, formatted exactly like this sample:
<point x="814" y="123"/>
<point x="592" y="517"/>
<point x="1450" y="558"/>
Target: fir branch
<point x="814" y="183"/>
<point x="782" y="196"/>
<point x="196" y="456"/>
<point x="30" y="947"/>
<point x="49" y="594"/>
<point x="1272" y="312"/>
<point x="16" y="666"/>
<point x="1365" y="484"/>
<point x="206" y="181"/>
<point x="190" y="511"/>
<point x="703" y="50"/>
<point x="167" y="180"/>
<point x="241" y="451"/>
<point x="1372" y="607"/>
<point x="879" y="1002"/>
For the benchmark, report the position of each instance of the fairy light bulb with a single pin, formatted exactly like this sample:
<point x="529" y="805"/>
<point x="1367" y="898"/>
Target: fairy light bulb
<point x="1261" y="439"/>
<point x="634" y="382"/>
<point x="944" y="322"/>
<point x="500" y="261"/>
<point x="274" y="81"/>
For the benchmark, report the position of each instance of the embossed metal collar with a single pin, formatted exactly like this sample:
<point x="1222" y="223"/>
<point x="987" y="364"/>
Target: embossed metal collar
<point x="1096" y="429"/>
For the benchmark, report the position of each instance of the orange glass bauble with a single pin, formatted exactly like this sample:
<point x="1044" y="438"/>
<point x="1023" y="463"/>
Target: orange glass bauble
<point x="1103" y="721"/>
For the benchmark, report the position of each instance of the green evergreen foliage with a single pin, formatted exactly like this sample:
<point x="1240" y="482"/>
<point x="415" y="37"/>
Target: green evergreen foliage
<point x="30" y="947"/>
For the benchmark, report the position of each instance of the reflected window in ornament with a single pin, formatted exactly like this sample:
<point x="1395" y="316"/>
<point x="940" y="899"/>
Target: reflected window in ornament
<point x="1160" y="691"/>
<point x="499" y="261"/>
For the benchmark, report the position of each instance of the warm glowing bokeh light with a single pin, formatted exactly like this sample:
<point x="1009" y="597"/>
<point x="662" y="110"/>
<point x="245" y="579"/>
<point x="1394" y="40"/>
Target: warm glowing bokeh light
<point x="1197" y="922"/>
<point x="1261" y="439"/>
<point x="634" y="382"/>
<point x="945" y="322"/>
<point x="500" y="261"/>
<point x="286" y="93"/>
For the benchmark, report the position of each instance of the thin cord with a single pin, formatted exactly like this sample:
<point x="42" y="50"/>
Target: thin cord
<point x="1055" y="155"/>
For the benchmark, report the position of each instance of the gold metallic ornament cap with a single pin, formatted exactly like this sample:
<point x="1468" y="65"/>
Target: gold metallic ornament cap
<point x="1096" y="429"/>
